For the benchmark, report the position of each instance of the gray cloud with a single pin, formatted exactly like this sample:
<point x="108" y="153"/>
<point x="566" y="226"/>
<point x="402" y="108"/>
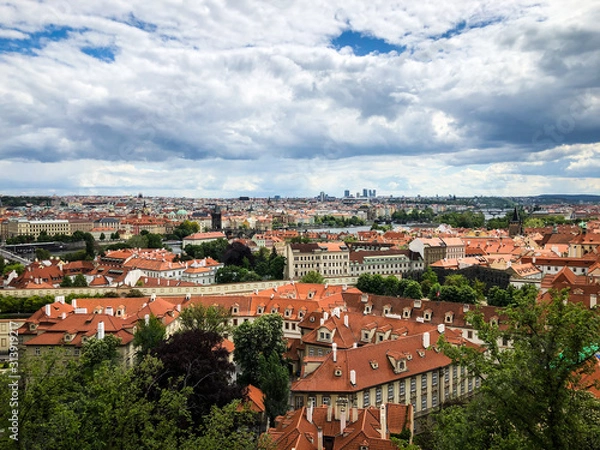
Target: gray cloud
<point x="228" y="87"/>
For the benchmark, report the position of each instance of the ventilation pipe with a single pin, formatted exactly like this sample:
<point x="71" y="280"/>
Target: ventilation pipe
<point x="383" y="421"/>
<point x="47" y="309"/>
<point x="147" y="319"/>
<point x="426" y="340"/>
<point x="334" y="348"/>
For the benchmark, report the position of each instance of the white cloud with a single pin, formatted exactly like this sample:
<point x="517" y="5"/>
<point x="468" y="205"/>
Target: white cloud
<point x="488" y="95"/>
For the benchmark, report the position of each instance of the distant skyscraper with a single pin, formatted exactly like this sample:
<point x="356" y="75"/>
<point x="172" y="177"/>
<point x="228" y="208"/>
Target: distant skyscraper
<point x="374" y="192"/>
<point x="365" y="193"/>
<point x="347" y="193"/>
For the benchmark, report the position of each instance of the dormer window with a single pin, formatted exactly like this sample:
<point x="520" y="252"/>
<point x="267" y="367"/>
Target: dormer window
<point x="324" y="336"/>
<point x="368" y="309"/>
<point x="33" y="326"/>
<point x="337" y="371"/>
<point x="417" y="303"/>
<point x="366" y="336"/>
<point x="235" y="309"/>
<point x="401" y="366"/>
<point x="427" y="315"/>
<point x="374" y="364"/>
<point x="421" y="353"/>
<point x="274" y="309"/>
<point x="386" y="310"/>
<point x="260" y="310"/>
<point x="449" y="317"/>
<point x="494" y="321"/>
<point x="300" y="314"/>
<point x="288" y="312"/>
<point x="406" y="312"/>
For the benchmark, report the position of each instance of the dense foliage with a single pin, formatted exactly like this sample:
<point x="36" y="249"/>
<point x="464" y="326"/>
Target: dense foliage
<point x="533" y="395"/>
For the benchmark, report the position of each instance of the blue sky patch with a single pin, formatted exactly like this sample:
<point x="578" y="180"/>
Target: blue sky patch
<point x="105" y="54"/>
<point x="462" y="26"/>
<point x="34" y="41"/>
<point x="363" y="45"/>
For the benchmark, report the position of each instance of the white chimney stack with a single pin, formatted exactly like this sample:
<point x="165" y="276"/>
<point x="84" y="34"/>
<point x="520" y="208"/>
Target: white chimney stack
<point x="325" y="315"/>
<point x="74" y="303"/>
<point x="354" y="414"/>
<point x="109" y="311"/>
<point x="334" y="347"/>
<point x="63" y="316"/>
<point x="47" y="309"/>
<point x="309" y="413"/>
<point x="100" y="334"/>
<point x="441" y="328"/>
<point x="319" y="438"/>
<point x="426" y="340"/>
<point x="353" y="377"/>
<point x="178" y="308"/>
<point x="329" y="413"/>
<point x="343" y="421"/>
<point x="147" y="319"/>
<point x="346" y="320"/>
<point x="383" y="421"/>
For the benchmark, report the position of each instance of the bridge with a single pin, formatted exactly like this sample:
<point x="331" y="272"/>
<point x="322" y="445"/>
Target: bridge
<point x="11" y="256"/>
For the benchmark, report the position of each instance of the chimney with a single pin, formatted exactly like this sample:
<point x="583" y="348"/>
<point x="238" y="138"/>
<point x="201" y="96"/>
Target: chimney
<point x="100" y="334"/>
<point x="319" y="438"/>
<point x="178" y="308"/>
<point x="364" y="298"/>
<point x="346" y="321"/>
<point x="441" y="328"/>
<point x="309" y="413"/>
<point x="354" y="413"/>
<point x="47" y="309"/>
<point x="63" y="316"/>
<point x="343" y="420"/>
<point x="153" y="297"/>
<point x="147" y="319"/>
<point x="329" y="412"/>
<point x="325" y="315"/>
<point x="74" y="303"/>
<point x="353" y="377"/>
<point x="334" y="347"/>
<point x="426" y="340"/>
<point x="383" y="421"/>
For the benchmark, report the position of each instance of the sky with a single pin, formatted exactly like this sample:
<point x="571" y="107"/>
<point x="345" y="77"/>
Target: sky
<point x="227" y="98"/>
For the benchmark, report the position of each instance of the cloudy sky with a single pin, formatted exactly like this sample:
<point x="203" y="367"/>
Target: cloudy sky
<point x="241" y="97"/>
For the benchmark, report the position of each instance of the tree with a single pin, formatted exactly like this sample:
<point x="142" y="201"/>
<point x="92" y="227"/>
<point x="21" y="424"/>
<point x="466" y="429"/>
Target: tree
<point x="228" y="428"/>
<point x="154" y="240"/>
<point x="42" y="254"/>
<point x="533" y="394"/>
<point x="102" y="236"/>
<point x="313" y="277"/>
<point x="196" y="359"/>
<point x="263" y="336"/>
<point x="186" y="228"/>
<point x="17" y="267"/>
<point x="413" y="290"/>
<point x="2" y="264"/>
<point x="148" y="335"/>
<point x="274" y="383"/>
<point x="96" y="351"/>
<point x="213" y="319"/>
<point x="428" y="279"/>
<point x="79" y="281"/>
<point x="66" y="282"/>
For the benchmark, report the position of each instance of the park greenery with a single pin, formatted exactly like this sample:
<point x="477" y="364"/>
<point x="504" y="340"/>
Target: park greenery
<point x="179" y="395"/>
<point x="534" y="394"/>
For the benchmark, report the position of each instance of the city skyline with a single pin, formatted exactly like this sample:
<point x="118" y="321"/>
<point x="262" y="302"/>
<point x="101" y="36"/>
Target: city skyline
<point x="277" y="98"/>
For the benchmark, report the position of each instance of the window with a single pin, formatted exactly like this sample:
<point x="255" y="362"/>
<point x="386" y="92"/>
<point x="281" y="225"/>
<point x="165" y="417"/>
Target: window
<point x="423" y="402"/>
<point x="447" y="374"/>
<point x="378" y="396"/>
<point x="402" y="388"/>
<point x="311" y="351"/>
<point x="434" y="378"/>
<point x="454" y="372"/>
<point x="390" y="395"/>
<point x="312" y="401"/>
<point x="423" y="382"/>
<point x="469" y="334"/>
<point x="413" y="384"/>
<point x="75" y="352"/>
<point x="470" y="384"/>
<point x="366" y="399"/>
<point x="326" y="401"/>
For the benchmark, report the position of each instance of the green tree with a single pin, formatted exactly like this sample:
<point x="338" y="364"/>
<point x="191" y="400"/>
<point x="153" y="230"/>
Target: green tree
<point x="413" y="290"/>
<point x="66" y="282"/>
<point x="428" y="279"/>
<point x="148" y="335"/>
<point x="186" y="228"/>
<point x="274" y="383"/>
<point x="229" y="427"/>
<point x="532" y="395"/>
<point x="2" y="264"/>
<point x="102" y="236"/>
<point x="261" y="337"/>
<point x="19" y="268"/>
<point x="42" y="254"/>
<point x="214" y="319"/>
<point x="80" y="281"/>
<point x="312" y="277"/>
<point x="96" y="351"/>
